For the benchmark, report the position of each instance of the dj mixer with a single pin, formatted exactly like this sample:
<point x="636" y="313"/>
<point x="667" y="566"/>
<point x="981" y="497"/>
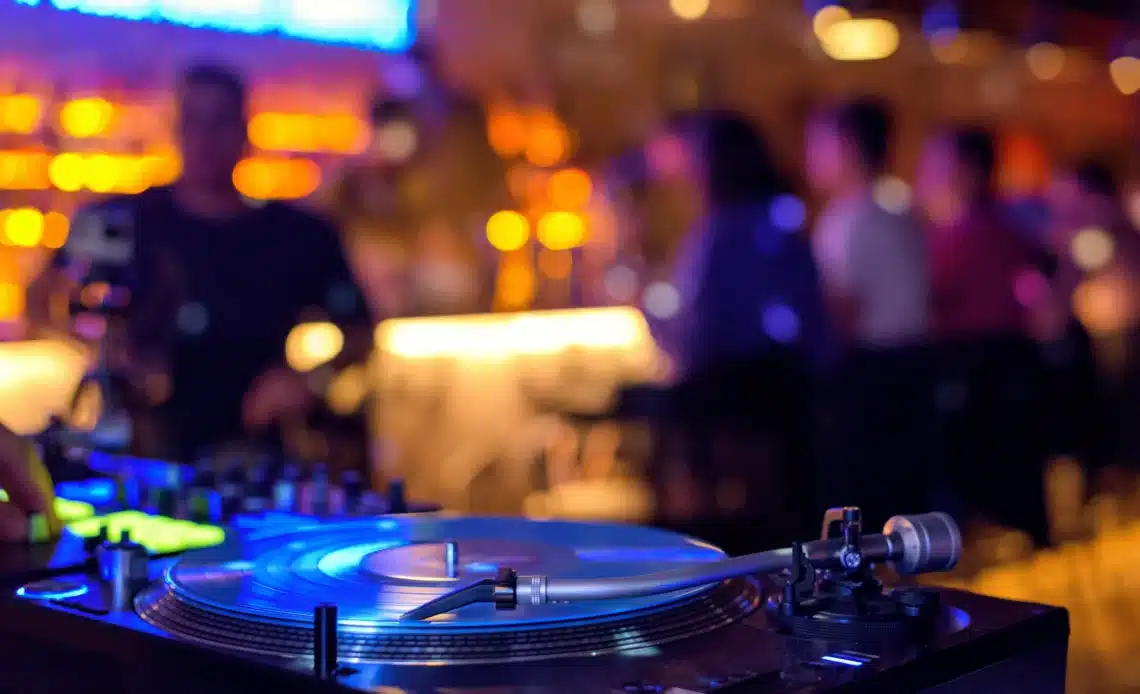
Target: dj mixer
<point x="171" y="507"/>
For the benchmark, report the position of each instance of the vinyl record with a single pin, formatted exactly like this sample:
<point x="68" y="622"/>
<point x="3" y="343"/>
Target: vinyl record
<point x="266" y="585"/>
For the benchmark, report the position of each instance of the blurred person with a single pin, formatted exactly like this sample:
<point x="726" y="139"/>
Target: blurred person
<point x="413" y="206"/>
<point x="220" y="281"/>
<point x="751" y="325"/>
<point x="874" y="267"/>
<point x="873" y="260"/>
<point x="977" y="256"/>
<point x="989" y="384"/>
<point x="1097" y="288"/>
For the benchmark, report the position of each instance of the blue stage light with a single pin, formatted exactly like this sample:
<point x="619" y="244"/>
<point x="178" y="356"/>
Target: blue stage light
<point x="386" y="25"/>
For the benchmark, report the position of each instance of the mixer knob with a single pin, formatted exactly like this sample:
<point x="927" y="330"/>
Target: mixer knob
<point x="257" y="492"/>
<point x="397" y="501"/>
<point x="231" y="488"/>
<point x="353" y="490"/>
<point x="319" y="488"/>
<point x="124" y="566"/>
<point x="162" y="496"/>
<point x="205" y="505"/>
<point x="128" y="488"/>
<point x="285" y="489"/>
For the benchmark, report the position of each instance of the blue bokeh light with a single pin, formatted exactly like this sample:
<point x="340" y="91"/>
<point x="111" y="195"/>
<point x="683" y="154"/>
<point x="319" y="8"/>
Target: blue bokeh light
<point x="386" y="25"/>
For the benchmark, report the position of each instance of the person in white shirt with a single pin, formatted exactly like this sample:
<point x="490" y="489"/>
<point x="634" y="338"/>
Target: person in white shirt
<point x="870" y="250"/>
<point x="872" y="258"/>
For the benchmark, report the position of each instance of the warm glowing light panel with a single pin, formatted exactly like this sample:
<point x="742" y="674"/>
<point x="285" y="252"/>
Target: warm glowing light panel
<point x="385" y="25"/>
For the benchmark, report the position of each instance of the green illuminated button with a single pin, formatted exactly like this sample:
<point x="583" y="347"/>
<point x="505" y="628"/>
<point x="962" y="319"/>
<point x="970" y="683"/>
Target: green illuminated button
<point x="158" y="534"/>
<point x="69" y="511"/>
<point x="38" y="530"/>
<point x="65" y="509"/>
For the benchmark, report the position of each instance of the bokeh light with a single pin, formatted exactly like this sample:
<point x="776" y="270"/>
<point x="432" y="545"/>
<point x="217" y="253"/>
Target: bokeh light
<point x="570" y="188"/>
<point x="689" y="9"/>
<point x="23" y="227"/>
<point x="860" y="39"/>
<point x="828" y="16"/>
<point x="1125" y="73"/>
<point x="20" y="114"/>
<point x="548" y="142"/>
<point x="1046" y="60"/>
<point x="1092" y="249"/>
<point x="561" y="230"/>
<point x="506" y="131"/>
<point x="508" y="231"/>
<point x="83" y="118"/>
<point x="310" y="345"/>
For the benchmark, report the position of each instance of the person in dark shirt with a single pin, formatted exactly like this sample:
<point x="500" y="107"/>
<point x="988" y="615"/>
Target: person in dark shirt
<point x="751" y="325"/>
<point x="217" y="282"/>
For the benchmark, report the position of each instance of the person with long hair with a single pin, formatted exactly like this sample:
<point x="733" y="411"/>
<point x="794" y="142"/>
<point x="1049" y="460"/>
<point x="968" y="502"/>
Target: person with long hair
<point x="751" y="323"/>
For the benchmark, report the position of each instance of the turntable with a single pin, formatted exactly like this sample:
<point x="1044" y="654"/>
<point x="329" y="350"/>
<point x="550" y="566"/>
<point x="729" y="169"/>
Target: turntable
<point x="434" y="603"/>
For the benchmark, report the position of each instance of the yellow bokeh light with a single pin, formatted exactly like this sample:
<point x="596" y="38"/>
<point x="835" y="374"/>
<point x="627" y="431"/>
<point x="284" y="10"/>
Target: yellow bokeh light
<point x="1125" y="73"/>
<point x="66" y="172"/>
<point x="56" y="228"/>
<point x="560" y="231"/>
<point x="303" y="132"/>
<point x="827" y="17"/>
<point x="86" y="117"/>
<point x="1092" y="249"/>
<point x="569" y="188"/>
<point x="508" y="231"/>
<point x="20" y="113"/>
<point x="344" y="134"/>
<point x="689" y="9"/>
<point x="23" y="227"/>
<point x="860" y="39"/>
<point x="264" y="178"/>
<point x="1046" y="60"/>
<point x="348" y="390"/>
<point x="310" y="345"/>
<point x="101" y="173"/>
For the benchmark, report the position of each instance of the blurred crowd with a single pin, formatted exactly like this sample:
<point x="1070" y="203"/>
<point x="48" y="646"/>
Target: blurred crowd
<point x="922" y="345"/>
<point x="900" y="346"/>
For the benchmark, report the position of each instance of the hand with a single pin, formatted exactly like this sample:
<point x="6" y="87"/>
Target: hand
<point x="277" y="394"/>
<point x="29" y="487"/>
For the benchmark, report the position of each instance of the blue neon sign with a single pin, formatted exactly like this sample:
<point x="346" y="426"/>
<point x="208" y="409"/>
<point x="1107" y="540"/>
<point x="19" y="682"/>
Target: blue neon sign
<point x="386" y="25"/>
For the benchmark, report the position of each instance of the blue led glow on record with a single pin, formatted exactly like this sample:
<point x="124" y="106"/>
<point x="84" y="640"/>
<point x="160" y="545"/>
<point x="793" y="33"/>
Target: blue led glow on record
<point x="77" y="591"/>
<point x="386" y="25"/>
<point x="840" y="660"/>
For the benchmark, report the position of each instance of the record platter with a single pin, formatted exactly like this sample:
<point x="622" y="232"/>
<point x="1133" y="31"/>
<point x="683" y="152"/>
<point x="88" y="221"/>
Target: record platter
<point x="433" y="603"/>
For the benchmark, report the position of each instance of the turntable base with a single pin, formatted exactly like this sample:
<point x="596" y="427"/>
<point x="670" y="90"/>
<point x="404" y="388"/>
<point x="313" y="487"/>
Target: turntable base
<point x="240" y="617"/>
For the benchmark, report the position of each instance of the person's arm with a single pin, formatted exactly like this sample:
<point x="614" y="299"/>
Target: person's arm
<point x="46" y="304"/>
<point x="332" y="293"/>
